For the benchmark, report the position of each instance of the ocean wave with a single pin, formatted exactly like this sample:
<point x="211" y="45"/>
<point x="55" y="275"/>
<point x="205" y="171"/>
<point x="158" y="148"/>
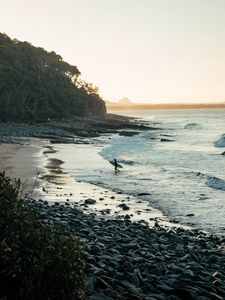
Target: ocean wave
<point x="211" y="181"/>
<point x="220" y="142"/>
<point x="191" y="125"/>
<point x="128" y="162"/>
<point x="196" y="174"/>
<point x="216" y="183"/>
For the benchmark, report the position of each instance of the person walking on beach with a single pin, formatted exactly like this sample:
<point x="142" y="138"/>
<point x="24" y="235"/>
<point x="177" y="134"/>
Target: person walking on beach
<point x="116" y="165"/>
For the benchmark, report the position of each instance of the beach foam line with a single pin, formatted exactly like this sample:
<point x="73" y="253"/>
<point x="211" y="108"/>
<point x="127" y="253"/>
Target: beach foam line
<point x="54" y="184"/>
<point x="59" y="186"/>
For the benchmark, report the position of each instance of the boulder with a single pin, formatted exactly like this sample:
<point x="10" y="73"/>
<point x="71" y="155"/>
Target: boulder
<point x="89" y="201"/>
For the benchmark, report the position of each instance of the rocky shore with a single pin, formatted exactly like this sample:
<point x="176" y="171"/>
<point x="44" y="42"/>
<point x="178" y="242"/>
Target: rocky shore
<point x="76" y="130"/>
<point x="125" y="260"/>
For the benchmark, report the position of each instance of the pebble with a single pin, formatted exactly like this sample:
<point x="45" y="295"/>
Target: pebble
<point x="89" y="201"/>
<point x="143" y="194"/>
<point x="124" y="206"/>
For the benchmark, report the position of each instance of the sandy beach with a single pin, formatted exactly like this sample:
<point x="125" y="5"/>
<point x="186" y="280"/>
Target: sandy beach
<point x="54" y="184"/>
<point x="22" y="161"/>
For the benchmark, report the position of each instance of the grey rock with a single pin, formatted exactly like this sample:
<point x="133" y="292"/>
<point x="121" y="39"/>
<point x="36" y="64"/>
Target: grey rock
<point x="100" y="296"/>
<point x="124" y="206"/>
<point x="89" y="285"/>
<point x="143" y="194"/>
<point x="89" y="201"/>
<point x="166" y="140"/>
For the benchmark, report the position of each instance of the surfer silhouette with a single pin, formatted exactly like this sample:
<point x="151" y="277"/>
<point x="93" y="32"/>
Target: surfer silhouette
<point x="116" y="165"/>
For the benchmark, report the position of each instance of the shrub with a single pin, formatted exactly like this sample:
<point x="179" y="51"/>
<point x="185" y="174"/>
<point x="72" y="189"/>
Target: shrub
<point x="36" y="260"/>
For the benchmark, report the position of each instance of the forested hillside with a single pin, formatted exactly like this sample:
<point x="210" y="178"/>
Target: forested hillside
<point x="37" y="85"/>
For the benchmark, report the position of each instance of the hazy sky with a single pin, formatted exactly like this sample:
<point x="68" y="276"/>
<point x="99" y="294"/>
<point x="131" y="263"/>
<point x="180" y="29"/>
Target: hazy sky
<point x="147" y="50"/>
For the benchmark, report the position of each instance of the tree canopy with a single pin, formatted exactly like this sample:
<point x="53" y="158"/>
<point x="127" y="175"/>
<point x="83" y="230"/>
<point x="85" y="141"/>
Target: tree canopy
<point x="36" y="85"/>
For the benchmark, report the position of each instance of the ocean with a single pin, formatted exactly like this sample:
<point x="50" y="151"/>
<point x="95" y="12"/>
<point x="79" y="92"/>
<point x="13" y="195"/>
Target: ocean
<point x="178" y="166"/>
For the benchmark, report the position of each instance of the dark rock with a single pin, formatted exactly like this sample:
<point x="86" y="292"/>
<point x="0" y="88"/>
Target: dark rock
<point x="135" y="279"/>
<point x="90" y="201"/>
<point x="214" y="296"/>
<point x="102" y="284"/>
<point x="131" y="287"/>
<point x="143" y="194"/>
<point x="182" y="293"/>
<point x="125" y="260"/>
<point x="163" y="287"/>
<point x="89" y="285"/>
<point x="124" y="206"/>
<point x="166" y="140"/>
<point x="127" y="217"/>
<point x="100" y="296"/>
<point x="128" y="133"/>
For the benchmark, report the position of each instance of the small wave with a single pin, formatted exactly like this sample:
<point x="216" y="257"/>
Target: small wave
<point x="191" y="125"/>
<point x="216" y="183"/>
<point x="220" y="142"/>
<point x="129" y="162"/>
<point x="196" y="174"/>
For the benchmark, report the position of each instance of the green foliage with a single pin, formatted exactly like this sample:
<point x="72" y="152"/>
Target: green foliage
<point x="36" y="85"/>
<point x="37" y="261"/>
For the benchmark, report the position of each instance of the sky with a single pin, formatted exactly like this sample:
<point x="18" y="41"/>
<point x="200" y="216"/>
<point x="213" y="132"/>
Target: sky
<point x="147" y="50"/>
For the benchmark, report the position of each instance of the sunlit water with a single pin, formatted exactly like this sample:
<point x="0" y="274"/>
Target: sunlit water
<point x="184" y="177"/>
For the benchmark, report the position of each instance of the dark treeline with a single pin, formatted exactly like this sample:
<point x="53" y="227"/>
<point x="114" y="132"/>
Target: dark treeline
<point x="37" y="85"/>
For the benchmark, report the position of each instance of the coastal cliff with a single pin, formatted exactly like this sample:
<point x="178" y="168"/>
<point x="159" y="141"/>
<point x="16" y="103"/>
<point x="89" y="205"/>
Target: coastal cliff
<point x="36" y="85"/>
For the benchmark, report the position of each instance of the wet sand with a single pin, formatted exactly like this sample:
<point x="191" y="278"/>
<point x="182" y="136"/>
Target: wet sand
<point x="22" y="161"/>
<point x="43" y="177"/>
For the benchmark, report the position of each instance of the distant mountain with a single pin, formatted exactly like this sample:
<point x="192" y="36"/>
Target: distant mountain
<point x="124" y="101"/>
<point x="128" y="105"/>
<point x="36" y="85"/>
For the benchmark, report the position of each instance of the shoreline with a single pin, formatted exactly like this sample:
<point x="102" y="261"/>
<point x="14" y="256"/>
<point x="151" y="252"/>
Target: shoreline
<point x="123" y="259"/>
<point x="56" y="183"/>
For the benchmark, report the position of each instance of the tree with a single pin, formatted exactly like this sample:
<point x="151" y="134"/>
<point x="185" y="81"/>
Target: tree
<point x="36" y="84"/>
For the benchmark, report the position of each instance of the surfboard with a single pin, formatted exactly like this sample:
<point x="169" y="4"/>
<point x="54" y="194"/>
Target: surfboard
<point x="112" y="162"/>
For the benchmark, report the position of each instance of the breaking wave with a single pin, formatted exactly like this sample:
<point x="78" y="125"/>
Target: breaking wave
<point x="129" y="162"/>
<point x="192" y="125"/>
<point x="216" y="183"/>
<point x="220" y="142"/>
